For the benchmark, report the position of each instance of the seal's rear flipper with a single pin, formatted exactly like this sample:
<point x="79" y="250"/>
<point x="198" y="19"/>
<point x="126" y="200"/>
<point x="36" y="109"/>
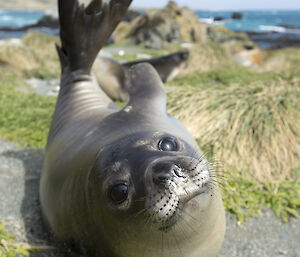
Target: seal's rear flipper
<point x="84" y="31"/>
<point x="146" y="89"/>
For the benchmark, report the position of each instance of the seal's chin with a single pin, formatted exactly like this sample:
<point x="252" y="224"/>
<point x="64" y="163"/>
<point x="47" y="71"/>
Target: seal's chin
<point x="187" y="202"/>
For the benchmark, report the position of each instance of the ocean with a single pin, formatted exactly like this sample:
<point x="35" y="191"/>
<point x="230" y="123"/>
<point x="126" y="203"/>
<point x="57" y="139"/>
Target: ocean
<point x="20" y="18"/>
<point x="259" y="23"/>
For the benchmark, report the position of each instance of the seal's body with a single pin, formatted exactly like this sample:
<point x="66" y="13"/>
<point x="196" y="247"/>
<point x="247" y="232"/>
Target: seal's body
<point x="112" y="76"/>
<point x="123" y="183"/>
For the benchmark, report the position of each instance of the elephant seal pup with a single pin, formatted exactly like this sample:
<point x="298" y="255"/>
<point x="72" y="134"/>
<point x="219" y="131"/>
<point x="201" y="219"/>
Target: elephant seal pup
<point x="123" y="183"/>
<point x="113" y="76"/>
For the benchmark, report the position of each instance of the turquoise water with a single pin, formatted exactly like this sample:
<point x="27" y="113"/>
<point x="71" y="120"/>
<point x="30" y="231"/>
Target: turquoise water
<point x="257" y="21"/>
<point x="253" y="21"/>
<point x="19" y="18"/>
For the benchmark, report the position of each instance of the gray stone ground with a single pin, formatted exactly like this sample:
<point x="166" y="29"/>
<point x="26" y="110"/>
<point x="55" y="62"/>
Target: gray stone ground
<point x="263" y="236"/>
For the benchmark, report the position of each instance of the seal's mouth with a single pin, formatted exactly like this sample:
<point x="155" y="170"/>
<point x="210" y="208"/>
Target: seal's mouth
<point x="180" y="211"/>
<point x="173" y="186"/>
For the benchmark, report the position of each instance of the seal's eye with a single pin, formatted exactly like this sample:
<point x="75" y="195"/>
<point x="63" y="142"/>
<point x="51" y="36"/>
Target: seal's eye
<point x="119" y="193"/>
<point x="167" y="144"/>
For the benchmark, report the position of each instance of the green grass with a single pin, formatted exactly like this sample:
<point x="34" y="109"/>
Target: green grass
<point x="8" y="246"/>
<point x="24" y="118"/>
<point x="133" y="56"/>
<point x="244" y="197"/>
<point x="254" y="126"/>
<point x="247" y="106"/>
<point x="226" y="76"/>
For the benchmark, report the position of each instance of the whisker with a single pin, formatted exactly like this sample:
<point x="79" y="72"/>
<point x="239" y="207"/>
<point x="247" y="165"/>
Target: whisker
<point x="177" y="243"/>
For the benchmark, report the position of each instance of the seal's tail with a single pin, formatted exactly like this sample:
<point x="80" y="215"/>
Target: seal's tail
<point x="85" y="30"/>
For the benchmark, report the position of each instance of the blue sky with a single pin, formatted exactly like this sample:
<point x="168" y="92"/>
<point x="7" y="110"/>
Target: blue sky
<point x="225" y="4"/>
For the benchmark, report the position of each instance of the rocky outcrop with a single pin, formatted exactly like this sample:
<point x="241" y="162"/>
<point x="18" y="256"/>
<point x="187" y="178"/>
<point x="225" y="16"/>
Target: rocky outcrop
<point x="131" y="15"/>
<point x="47" y="21"/>
<point x="237" y="16"/>
<point x="223" y="35"/>
<point x="156" y="27"/>
<point x="50" y="20"/>
<point x="275" y="40"/>
<point x="250" y="57"/>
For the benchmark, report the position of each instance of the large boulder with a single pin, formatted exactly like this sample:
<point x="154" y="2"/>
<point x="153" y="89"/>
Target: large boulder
<point x="48" y="21"/>
<point x="237" y="16"/>
<point x="131" y="15"/>
<point x="156" y="27"/>
<point x="223" y="35"/>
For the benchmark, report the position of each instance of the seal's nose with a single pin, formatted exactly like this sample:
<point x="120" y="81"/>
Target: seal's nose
<point x="162" y="172"/>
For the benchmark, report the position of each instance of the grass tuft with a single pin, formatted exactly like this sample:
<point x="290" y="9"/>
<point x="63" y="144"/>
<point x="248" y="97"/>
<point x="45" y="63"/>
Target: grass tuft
<point x="224" y="76"/>
<point x="244" y="197"/>
<point x="24" y="118"/>
<point x="9" y="247"/>
<point x="254" y="127"/>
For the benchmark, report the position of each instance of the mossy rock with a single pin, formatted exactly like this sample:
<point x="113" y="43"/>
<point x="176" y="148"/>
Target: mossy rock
<point x="222" y="35"/>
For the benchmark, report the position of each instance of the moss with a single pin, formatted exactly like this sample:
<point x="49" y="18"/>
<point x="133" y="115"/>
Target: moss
<point x="245" y="197"/>
<point x="24" y="118"/>
<point x="8" y="246"/>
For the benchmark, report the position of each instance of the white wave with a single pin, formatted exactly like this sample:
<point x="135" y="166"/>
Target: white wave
<point x="211" y="21"/>
<point x="208" y="21"/>
<point x="272" y="28"/>
<point x="6" y="18"/>
<point x="219" y="23"/>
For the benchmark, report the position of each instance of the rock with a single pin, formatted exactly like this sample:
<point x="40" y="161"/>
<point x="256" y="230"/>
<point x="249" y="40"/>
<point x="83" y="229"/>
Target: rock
<point x="274" y="40"/>
<point x="44" y="87"/>
<point x="192" y="30"/>
<point x="219" y="18"/>
<point x="249" y="46"/>
<point x="249" y="57"/>
<point x="157" y="27"/>
<point x="237" y="16"/>
<point x="131" y="15"/>
<point x="11" y="42"/>
<point x="289" y="26"/>
<point x="222" y="35"/>
<point x="121" y="33"/>
<point x="48" y="21"/>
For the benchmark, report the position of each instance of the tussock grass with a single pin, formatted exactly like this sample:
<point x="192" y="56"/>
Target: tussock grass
<point x="282" y="59"/>
<point x="35" y="56"/>
<point x="255" y="127"/>
<point x="206" y="57"/>
<point x="224" y="76"/>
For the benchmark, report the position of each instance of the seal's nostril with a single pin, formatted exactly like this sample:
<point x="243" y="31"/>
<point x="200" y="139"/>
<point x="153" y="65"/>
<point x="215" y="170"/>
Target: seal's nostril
<point x="178" y="171"/>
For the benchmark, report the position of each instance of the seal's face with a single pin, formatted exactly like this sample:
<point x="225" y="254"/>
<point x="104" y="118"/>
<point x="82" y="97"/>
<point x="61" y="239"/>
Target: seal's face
<point x="154" y="178"/>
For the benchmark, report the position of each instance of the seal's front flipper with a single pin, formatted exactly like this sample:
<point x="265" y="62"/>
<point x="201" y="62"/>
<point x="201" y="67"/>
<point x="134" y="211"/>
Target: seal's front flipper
<point x="84" y="31"/>
<point x="146" y="89"/>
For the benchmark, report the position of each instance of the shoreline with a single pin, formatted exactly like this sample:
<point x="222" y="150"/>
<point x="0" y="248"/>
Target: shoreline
<point x="265" y="40"/>
<point x="271" y="37"/>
